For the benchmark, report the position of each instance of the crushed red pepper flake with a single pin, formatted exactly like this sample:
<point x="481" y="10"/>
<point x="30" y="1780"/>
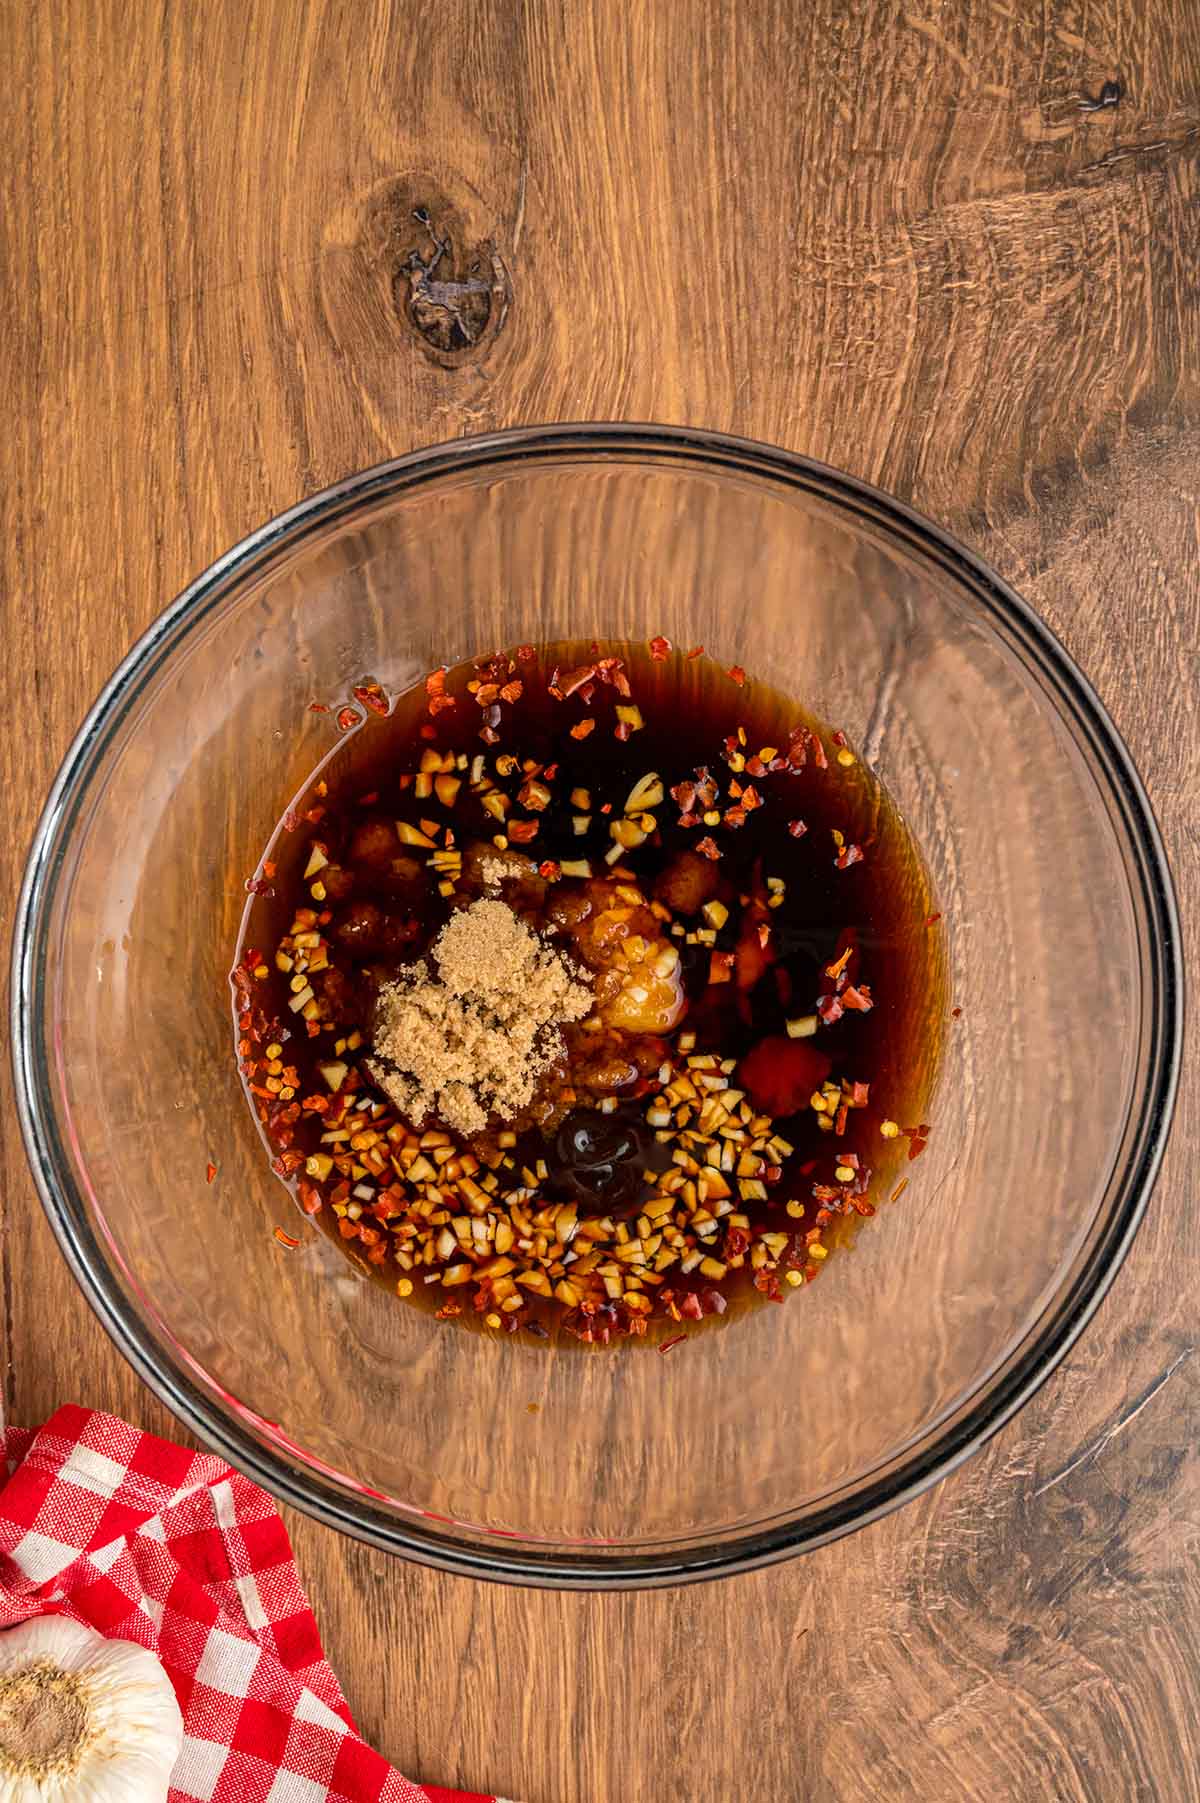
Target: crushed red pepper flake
<point x="371" y="696"/>
<point x="286" y="1239"/>
<point x="660" y="649"/>
<point x="736" y="674"/>
<point x="210" y="1171"/>
<point x="348" y="717"/>
<point x="318" y="707"/>
<point x="582" y="728"/>
<point x="708" y="848"/>
<point x="676" y="1339"/>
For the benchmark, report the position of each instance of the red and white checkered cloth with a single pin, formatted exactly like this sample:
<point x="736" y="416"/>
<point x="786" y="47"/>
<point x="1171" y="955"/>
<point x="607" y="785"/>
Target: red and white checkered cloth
<point x="174" y="1550"/>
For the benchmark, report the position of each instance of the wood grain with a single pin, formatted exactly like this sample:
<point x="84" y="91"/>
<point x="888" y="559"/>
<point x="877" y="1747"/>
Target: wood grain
<point x="885" y="235"/>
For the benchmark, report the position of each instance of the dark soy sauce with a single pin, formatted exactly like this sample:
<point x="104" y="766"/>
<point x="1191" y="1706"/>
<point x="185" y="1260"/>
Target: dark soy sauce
<point x="822" y="834"/>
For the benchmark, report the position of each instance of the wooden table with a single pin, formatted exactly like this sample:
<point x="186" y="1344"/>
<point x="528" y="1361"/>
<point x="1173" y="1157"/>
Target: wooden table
<point x="894" y="237"/>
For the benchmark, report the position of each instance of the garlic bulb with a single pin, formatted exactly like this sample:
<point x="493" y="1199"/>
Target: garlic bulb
<point x="83" y="1719"/>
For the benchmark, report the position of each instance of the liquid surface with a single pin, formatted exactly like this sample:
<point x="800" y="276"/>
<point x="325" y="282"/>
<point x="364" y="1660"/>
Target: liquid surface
<point x="768" y="972"/>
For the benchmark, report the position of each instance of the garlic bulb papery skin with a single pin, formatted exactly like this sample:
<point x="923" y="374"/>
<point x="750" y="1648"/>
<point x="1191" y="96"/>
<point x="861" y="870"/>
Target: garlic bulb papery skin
<point x="83" y="1719"/>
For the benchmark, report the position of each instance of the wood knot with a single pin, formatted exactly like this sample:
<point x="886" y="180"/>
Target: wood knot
<point x="456" y="300"/>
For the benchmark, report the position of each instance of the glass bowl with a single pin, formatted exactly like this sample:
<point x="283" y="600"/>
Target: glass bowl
<point x="774" y="1432"/>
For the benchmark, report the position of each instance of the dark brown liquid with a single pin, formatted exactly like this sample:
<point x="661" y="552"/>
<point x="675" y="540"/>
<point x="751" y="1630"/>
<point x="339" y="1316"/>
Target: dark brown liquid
<point x="879" y="907"/>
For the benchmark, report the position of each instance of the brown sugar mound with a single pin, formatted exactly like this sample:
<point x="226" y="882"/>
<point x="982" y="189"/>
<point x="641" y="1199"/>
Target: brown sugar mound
<point x="469" y="1043"/>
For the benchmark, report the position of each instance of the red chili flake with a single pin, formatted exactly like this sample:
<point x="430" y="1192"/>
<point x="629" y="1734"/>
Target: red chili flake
<point x="734" y="817"/>
<point x="932" y="919"/>
<point x="797" y="828"/>
<point x="550" y="772"/>
<point x="489" y="735"/>
<point x="918" y="1138"/>
<point x="566" y="685"/>
<point x="256" y="885"/>
<point x="755" y="766"/>
<point x="314" y="816"/>
<point x="486" y="693"/>
<point x="291" y="820"/>
<point x="622" y="730"/>
<point x="720" y="967"/>
<point x="526" y="653"/>
<point x="612" y="671"/>
<point x="849" y="854"/>
<point x="512" y="691"/>
<point x="435" y="682"/>
<point x="690" y="1307"/>
<point x="899" y="1190"/>
<point x="318" y="707"/>
<point x="550" y="870"/>
<point x="685" y="795"/>
<point x="956" y="1013"/>
<point x="840" y="1119"/>
<point x="675" y="1340"/>
<point x="582" y="728"/>
<point x="660" y="649"/>
<point x="427" y="731"/>
<point x="522" y="831"/>
<point x="696" y="651"/>
<point x="751" y="797"/>
<point x="859" y="998"/>
<point x="372" y="696"/>
<point x="830" y="1008"/>
<point x="606" y="807"/>
<point x="859" y="1096"/>
<point x="708" y="848"/>
<point x="440" y="702"/>
<point x="348" y="717"/>
<point x="736" y="674"/>
<point x="839" y="737"/>
<point x="210" y="1171"/>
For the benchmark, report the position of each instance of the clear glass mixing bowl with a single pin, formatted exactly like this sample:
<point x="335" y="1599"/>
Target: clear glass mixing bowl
<point x="772" y="1433"/>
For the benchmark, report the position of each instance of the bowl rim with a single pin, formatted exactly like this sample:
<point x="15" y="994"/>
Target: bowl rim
<point x="972" y="1423"/>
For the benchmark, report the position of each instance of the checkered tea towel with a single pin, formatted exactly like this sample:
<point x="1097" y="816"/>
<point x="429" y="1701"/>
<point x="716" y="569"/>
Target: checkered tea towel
<point x="174" y="1550"/>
